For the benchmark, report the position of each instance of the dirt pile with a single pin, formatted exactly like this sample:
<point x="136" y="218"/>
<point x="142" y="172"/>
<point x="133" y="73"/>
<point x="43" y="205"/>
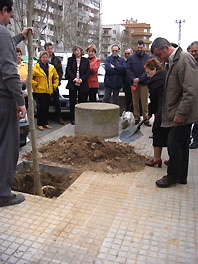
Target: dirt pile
<point x="90" y="153"/>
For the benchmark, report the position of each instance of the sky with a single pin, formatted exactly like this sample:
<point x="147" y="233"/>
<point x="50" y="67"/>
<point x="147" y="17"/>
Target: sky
<point x="161" y="15"/>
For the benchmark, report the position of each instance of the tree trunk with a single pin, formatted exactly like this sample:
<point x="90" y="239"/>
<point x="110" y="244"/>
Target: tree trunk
<point x="37" y="181"/>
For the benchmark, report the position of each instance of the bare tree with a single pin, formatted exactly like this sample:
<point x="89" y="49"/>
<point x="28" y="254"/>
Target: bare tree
<point x="37" y="181"/>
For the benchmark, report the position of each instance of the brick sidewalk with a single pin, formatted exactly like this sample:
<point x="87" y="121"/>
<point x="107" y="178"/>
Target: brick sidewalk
<point x="107" y="219"/>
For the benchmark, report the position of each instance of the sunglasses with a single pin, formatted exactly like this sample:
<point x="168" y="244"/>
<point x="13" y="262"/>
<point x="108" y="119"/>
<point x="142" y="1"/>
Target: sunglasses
<point x="127" y="53"/>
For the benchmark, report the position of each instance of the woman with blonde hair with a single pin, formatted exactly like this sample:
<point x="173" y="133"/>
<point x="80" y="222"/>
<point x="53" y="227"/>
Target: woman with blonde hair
<point x="156" y="84"/>
<point x="93" y="76"/>
<point x="44" y="80"/>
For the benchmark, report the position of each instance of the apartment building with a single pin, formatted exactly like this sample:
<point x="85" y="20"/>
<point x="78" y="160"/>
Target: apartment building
<point x="111" y="34"/>
<point x="47" y="22"/>
<point x="137" y="31"/>
<point x="83" y="22"/>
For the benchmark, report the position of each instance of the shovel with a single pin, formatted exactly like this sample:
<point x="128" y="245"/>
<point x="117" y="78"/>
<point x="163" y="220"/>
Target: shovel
<point x="132" y="132"/>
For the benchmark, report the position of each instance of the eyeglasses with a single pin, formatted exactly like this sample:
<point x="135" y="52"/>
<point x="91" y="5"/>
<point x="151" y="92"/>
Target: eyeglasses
<point x="114" y="50"/>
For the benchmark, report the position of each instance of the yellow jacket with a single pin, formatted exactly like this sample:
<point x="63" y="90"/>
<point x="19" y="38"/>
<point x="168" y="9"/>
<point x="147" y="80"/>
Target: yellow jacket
<point x="44" y="85"/>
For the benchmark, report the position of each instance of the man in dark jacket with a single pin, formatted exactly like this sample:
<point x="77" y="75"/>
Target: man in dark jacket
<point x="179" y="108"/>
<point x="137" y="78"/>
<point x="114" y="76"/>
<point x="12" y="105"/>
<point x="58" y="66"/>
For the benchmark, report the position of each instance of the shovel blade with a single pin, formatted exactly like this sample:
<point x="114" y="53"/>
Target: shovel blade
<point x="127" y="132"/>
<point x="133" y="137"/>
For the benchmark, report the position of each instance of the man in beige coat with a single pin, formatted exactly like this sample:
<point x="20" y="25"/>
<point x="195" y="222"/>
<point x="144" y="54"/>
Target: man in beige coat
<point x="179" y="108"/>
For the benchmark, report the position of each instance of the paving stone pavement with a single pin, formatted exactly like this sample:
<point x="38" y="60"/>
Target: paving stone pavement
<point x="106" y="219"/>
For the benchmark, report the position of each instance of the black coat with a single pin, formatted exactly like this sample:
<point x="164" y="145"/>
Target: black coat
<point x="156" y="90"/>
<point x="71" y="70"/>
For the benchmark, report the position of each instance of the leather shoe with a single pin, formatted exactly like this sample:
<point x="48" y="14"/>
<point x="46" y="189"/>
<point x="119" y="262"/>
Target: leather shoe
<point x="60" y="121"/>
<point x="194" y="145"/>
<point x="73" y="122"/>
<point x="165" y="182"/>
<point x="47" y="126"/>
<point x="152" y="163"/>
<point x="40" y="127"/>
<point x="15" y="199"/>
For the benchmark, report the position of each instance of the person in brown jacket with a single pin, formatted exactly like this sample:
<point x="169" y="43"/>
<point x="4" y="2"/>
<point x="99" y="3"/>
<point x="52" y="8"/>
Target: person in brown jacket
<point x="179" y="108"/>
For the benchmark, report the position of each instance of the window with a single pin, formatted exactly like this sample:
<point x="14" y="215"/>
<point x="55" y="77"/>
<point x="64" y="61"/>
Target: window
<point x="145" y="30"/>
<point x="114" y="31"/>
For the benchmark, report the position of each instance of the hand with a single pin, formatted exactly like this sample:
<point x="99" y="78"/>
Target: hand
<point x="136" y="81"/>
<point x="178" y="119"/>
<point x="79" y="81"/>
<point x="21" y="111"/>
<point x="112" y="66"/>
<point x="25" y="31"/>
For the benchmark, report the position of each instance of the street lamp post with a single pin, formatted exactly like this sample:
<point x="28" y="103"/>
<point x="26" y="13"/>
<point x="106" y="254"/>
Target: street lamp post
<point x="179" y="35"/>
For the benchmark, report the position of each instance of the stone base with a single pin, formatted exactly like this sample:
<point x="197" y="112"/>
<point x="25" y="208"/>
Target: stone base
<point x="97" y="119"/>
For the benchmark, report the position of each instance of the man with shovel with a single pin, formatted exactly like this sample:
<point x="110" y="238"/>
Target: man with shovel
<point x="179" y="108"/>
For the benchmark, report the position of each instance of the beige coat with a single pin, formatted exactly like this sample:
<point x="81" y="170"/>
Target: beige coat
<point x="181" y="91"/>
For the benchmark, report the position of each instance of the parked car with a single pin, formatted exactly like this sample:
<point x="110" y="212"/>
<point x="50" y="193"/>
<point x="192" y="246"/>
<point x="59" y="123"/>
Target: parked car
<point x="24" y="130"/>
<point x="101" y="75"/>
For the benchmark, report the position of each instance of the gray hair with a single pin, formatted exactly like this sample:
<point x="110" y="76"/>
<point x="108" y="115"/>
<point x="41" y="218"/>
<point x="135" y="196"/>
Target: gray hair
<point x="195" y="43"/>
<point x="159" y="44"/>
<point x="129" y="49"/>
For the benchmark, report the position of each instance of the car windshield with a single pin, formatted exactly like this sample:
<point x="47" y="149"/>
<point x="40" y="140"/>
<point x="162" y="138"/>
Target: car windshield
<point x="101" y="70"/>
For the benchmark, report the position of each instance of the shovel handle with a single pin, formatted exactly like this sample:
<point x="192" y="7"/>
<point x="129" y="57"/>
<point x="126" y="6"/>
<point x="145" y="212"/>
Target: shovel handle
<point x="142" y="122"/>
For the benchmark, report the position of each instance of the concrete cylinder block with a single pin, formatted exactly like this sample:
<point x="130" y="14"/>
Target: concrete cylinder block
<point x="97" y="119"/>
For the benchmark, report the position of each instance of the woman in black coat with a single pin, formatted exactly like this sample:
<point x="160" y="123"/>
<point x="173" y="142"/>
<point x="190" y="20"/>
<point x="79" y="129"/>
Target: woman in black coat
<point x="156" y="84"/>
<point x="77" y="74"/>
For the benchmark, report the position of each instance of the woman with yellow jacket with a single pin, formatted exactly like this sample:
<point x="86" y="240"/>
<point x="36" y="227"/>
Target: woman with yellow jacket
<point x="44" y="80"/>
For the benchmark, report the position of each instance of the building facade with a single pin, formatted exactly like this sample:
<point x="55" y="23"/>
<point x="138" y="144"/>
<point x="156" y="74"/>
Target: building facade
<point x="83" y="20"/>
<point x="111" y="34"/>
<point x="138" y="31"/>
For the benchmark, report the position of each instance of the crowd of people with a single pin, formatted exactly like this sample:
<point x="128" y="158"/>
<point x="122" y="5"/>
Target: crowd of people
<point x="168" y="77"/>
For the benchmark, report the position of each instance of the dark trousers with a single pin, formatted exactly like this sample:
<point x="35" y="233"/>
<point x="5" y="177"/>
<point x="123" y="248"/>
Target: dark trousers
<point x="9" y="144"/>
<point x="178" y="150"/>
<point x="75" y="96"/>
<point x="57" y="103"/>
<point x="107" y="95"/>
<point x="128" y="98"/>
<point x="42" y="101"/>
<point x="195" y="132"/>
<point x="92" y="94"/>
